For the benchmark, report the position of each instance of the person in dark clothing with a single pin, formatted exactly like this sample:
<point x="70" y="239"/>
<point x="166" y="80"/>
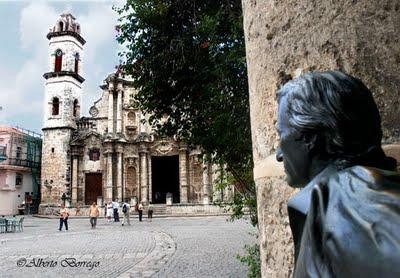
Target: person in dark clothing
<point x="140" y="211"/>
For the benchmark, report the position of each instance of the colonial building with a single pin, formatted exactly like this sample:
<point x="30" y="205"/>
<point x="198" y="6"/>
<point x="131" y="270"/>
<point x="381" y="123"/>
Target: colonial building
<point x="20" y="154"/>
<point x="113" y="154"/>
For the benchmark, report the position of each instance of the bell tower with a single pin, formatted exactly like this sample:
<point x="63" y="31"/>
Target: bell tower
<point x="63" y="90"/>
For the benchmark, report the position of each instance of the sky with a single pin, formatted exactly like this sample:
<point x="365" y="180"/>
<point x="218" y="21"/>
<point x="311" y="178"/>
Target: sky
<point x="24" y="54"/>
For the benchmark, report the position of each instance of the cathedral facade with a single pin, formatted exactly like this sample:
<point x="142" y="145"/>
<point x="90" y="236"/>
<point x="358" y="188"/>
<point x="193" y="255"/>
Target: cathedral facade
<point x="113" y="154"/>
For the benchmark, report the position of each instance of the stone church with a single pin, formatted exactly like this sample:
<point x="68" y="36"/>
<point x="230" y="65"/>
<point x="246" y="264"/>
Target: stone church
<point x="113" y="154"/>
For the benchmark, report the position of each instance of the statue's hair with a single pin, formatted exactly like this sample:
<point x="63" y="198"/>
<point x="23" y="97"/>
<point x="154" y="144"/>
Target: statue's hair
<point x="341" y="111"/>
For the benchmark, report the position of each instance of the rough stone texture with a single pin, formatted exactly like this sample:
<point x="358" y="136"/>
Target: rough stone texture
<point x="287" y="38"/>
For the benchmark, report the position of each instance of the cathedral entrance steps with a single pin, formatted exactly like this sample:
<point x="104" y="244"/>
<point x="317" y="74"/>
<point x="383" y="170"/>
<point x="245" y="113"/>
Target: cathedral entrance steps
<point x="159" y="210"/>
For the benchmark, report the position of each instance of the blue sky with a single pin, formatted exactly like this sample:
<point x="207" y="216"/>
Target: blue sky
<point x="24" y="54"/>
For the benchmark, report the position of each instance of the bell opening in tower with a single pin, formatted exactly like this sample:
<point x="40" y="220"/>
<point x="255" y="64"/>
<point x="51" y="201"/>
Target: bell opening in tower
<point x="165" y="178"/>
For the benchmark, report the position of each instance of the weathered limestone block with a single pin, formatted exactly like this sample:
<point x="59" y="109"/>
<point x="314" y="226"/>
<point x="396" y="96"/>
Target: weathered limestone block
<point x="286" y="38"/>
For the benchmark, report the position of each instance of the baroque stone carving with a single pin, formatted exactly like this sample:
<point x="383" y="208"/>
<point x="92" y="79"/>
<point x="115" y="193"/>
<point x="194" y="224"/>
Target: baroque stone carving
<point x="345" y="221"/>
<point x="93" y="111"/>
<point x="163" y="148"/>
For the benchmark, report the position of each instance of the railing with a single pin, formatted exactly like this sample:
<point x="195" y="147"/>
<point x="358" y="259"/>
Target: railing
<point x="21" y="162"/>
<point x="28" y="132"/>
<point x="85" y="124"/>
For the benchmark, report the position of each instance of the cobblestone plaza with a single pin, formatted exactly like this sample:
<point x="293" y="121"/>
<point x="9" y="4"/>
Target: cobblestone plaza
<point x="166" y="247"/>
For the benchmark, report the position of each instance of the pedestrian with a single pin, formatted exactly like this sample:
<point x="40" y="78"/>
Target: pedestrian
<point x="150" y="212"/>
<point x="109" y="212"/>
<point x="116" y="209"/>
<point x="64" y="214"/>
<point x="140" y="210"/>
<point x="125" y="210"/>
<point x="93" y="214"/>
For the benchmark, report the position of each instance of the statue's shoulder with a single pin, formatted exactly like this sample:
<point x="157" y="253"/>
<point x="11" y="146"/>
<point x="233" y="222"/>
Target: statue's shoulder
<point x="352" y="225"/>
<point x="369" y="177"/>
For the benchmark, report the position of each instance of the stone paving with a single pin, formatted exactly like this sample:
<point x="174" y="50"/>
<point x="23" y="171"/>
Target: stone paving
<point x="166" y="247"/>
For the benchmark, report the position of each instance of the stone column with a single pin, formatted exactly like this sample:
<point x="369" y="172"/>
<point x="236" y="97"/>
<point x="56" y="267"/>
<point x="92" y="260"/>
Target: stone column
<point x="144" y="185"/>
<point x="183" y="173"/>
<point x="149" y="178"/>
<point x="109" y="182"/>
<point x="119" y="108"/>
<point x="74" y="193"/>
<point x="206" y="184"/>
<point x="287" y="38"/>
<point x="110" y="122"/>
<point x="119" y="151"/>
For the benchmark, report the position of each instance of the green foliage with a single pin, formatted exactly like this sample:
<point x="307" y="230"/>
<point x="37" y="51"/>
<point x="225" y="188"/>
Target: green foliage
<point x="252" y="260"/>
<point x="187" y="59"/>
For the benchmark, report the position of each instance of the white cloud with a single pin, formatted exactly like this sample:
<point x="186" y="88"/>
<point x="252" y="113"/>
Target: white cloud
<point x="22" y="92"/>
<point x="36" y="20"/>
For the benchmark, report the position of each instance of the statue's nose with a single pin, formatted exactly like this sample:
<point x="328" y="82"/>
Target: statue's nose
<point x="279" y="156"/>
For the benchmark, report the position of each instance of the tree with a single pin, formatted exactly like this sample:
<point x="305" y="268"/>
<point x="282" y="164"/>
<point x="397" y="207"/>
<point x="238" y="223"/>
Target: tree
<point x="187" y="59"/>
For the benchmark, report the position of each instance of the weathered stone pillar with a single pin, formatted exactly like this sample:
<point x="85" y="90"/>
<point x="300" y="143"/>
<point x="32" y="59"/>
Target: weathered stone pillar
<point x="150" y="178"/>
<point x="119" y="108"/>
<point x="287" y="38"/>
<point x="206" y="184"/>
<point x="144" y="185"/>
<point x="74" y="193"/>
<point x="110" y="123"/>
<point x="109" y="181"/>
<point x="183" y="173"/>
<point x="119" y="151"/>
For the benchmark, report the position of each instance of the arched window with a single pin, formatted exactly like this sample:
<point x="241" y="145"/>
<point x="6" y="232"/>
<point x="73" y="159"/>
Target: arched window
<point x="76" y="62"/>
<point x="61" y="25"/>
<point x="131" y="119"/>
<point x="56" y="106"/>
<point x="75" y="112"/>
<point x="58" y="60"/>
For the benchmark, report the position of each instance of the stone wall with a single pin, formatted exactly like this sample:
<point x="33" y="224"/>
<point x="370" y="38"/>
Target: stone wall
<point x="285" y="38"/>
<point x="55" y="165"/>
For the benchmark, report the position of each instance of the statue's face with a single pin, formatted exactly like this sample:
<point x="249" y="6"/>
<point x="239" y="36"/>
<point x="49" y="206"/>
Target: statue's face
<point x="293" y="150"/>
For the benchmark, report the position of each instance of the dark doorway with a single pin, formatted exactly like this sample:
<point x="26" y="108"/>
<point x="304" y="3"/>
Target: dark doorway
<point x="165" y="178"/>
<point x="93" y="187"/>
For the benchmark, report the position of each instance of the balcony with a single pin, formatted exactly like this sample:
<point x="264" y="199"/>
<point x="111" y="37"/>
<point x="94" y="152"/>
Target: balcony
<point x="3" y="153"/>
<point x="22" y="163"/>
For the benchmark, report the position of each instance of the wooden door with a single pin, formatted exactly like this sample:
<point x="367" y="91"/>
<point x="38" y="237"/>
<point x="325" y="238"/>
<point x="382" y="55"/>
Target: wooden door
<point x="93" y="187"/>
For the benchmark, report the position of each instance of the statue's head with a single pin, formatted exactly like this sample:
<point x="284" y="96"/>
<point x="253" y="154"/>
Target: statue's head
<point x="327" y="118"/>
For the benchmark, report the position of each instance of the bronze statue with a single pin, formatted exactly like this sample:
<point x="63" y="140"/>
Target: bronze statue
<point x="346" y="220"/>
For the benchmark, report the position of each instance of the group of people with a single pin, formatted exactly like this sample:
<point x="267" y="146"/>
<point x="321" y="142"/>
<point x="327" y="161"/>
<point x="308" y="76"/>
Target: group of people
<point x="111" y="210"/>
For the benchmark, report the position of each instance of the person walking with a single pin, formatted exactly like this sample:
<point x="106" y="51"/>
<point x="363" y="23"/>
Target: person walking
<point x="150" y="212"/>
<point x="109" y="212"/>
<point x="64" y="214"/>
<point x="140" y="211"/>
<point x="115" y="206"/>
<point x="93" y="214"/>
<point x="125" y="210"/>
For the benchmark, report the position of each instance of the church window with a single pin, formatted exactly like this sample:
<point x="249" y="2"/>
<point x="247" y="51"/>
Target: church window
<point x="94" y="154"/>
<point x="58" y="60"/>
<point x="76" y="62"/>
<point x="52" y="150"/>
<point x="61" y="25"/>
<point x="18" y="179"/>
<point x="131" y="118"/>
<point x="56" y="106"/>
<point x="75" y="112"/>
